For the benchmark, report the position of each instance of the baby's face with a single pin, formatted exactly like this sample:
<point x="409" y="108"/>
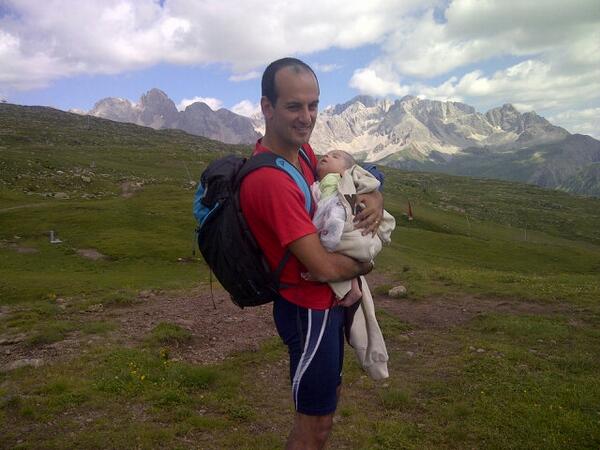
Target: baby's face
<point x="332" y="162"/>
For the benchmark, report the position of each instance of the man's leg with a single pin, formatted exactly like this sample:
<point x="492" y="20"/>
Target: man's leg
<point x="309" y="432"/>
<point x="315" y="343"/>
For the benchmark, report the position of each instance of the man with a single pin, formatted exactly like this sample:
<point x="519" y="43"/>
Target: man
<point x="308" y="320"/>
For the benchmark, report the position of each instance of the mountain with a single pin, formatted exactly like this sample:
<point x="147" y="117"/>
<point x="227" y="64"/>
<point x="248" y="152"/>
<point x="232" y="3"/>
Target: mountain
<point x="410" y="133"/>
<point x="452" y="137"/>
<point x="416" y="129"/>
<point x="155" y="109"/>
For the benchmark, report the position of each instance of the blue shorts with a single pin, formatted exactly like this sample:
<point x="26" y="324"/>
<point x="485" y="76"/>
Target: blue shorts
<point x="315" y="341"/>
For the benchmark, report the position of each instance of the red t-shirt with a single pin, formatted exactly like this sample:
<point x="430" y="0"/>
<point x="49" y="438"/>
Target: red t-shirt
<point x="273" y="206"/>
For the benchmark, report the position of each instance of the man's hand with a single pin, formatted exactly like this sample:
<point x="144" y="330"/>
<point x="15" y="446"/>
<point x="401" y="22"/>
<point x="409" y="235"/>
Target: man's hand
<point x="370" y="217"/>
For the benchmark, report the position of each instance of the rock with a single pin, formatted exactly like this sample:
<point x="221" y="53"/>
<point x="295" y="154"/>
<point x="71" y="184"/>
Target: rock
<point x="96" y="308"/>
<point x="398" y="292"/>
<point x="410" y="354"/>
<point x="145" y="293"/>
<point x="90" y="253"/>
<point x="12" y="339"/>
<point x="61" y="195"/>
<point x="33" y="362"/>
<point x="86" y="179"/>
<point x="480" y="350"/>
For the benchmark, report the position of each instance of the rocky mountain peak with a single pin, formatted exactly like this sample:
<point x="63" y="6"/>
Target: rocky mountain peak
<point x="154" y="95"/>
<point x="158" y="110"/>
<point x="114" y="108"/>
<point x="198" y="107"/>
<point x="155" y="109"/>
<point x="505" y="117"/>
<point x="365" y="100"/>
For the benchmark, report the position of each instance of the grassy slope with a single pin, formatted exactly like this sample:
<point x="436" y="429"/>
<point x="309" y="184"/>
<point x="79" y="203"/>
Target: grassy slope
<point x="533" y="385"/>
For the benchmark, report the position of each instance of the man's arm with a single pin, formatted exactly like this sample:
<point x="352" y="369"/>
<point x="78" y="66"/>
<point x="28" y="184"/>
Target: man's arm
<point x="324" y="266"/>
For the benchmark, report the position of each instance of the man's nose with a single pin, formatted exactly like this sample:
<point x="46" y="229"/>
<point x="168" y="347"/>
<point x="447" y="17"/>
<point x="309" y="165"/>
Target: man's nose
<point x="305" y="115"/>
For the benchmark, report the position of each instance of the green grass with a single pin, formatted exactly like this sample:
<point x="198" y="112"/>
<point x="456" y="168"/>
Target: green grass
<point x="499" y="380"/>
<point x="533" y="386"/>
<point x="168" y="333"/>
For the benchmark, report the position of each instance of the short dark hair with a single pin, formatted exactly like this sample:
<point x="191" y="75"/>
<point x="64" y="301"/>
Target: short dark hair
<point x="268" y="79"/>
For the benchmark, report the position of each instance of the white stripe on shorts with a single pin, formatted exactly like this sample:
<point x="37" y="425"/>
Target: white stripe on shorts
<point x="304" y="361"/>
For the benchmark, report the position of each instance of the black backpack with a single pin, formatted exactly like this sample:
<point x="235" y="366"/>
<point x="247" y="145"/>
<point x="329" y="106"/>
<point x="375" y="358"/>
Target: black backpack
<point x="223" y="236"/>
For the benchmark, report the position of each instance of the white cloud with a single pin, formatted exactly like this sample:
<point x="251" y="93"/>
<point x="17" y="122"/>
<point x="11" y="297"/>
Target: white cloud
<point x="553" y="49"/>
<point x="325" y="67"/>
<point x="585" y="121"/>
<point x="369" y="82"/>
<point x="213" y="103"/>
<point x="246" y="108"/>
<point x="252" y="75"/>
<point x="43" y="41"/>
<point x="558" y="47"/>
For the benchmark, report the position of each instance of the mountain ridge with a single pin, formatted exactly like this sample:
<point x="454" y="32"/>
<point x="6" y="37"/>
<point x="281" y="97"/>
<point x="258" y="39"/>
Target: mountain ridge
<point x="409" y="132"/>
<point x="156" y="110"/>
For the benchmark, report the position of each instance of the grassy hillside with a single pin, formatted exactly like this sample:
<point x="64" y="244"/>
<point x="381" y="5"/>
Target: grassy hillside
<point x="496" y="345"/>
<point x="121" y="189"/>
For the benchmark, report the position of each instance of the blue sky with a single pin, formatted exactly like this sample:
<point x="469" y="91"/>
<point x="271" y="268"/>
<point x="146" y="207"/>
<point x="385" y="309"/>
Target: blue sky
<point x="180" y="82"/>
<point x="542" y="56"/>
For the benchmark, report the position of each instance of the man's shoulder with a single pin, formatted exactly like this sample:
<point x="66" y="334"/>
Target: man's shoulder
<point x="268" y="179"/>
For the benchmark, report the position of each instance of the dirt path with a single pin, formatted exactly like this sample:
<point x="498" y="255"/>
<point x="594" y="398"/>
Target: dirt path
<point x="220" y="330"/>
<point x="217" y="331"/>
<point x="30" y="205"/>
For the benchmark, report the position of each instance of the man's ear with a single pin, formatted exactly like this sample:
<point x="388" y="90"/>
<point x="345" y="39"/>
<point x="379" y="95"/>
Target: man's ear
<point x="266" y="107"/>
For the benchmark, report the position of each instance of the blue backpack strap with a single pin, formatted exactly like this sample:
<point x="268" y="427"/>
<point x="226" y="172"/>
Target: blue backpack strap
<point x="268" y="159"/>
<point x="306" y="159"/>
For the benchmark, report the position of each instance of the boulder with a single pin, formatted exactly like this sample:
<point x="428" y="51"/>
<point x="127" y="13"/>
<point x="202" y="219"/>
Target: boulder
<point x="398" y="292"/>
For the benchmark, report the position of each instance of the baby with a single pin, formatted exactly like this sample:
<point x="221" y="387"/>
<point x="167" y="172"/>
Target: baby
<point x="340" y="179"/>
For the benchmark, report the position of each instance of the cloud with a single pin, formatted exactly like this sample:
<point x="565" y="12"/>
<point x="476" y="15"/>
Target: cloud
<point x="213" y="103"/>
<point x="252" y="75"/>
<point x="246" y="108"/>
<point x="43" y="41"/>
<point x="547" y="59"/>
<point x="368" y="81"/>
<point x="585" y="121"/>
<point x="325" y="67"/>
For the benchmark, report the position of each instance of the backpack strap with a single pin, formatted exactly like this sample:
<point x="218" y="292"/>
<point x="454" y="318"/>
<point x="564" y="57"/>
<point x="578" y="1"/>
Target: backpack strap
<point x="268" y="159"/>
<point x="307" y="160"/>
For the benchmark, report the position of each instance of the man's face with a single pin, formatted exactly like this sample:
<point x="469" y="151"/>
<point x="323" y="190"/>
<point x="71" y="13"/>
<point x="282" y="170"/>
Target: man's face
<point x="332" y="162"/>
<point x="291" y="120"/>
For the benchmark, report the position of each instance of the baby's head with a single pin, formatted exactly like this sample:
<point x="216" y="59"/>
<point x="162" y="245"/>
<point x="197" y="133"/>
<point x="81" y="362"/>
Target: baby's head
<point x="336" y="161"/>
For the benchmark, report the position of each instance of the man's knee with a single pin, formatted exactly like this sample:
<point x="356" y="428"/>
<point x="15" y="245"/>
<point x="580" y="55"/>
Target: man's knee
<point x="313" y="429"/>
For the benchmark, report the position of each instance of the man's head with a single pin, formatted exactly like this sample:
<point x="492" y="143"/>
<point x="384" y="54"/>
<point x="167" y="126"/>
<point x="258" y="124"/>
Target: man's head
<point x="336" y="161"/>
<point x="290" y="99"/>
<point x="268" y="85"/>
